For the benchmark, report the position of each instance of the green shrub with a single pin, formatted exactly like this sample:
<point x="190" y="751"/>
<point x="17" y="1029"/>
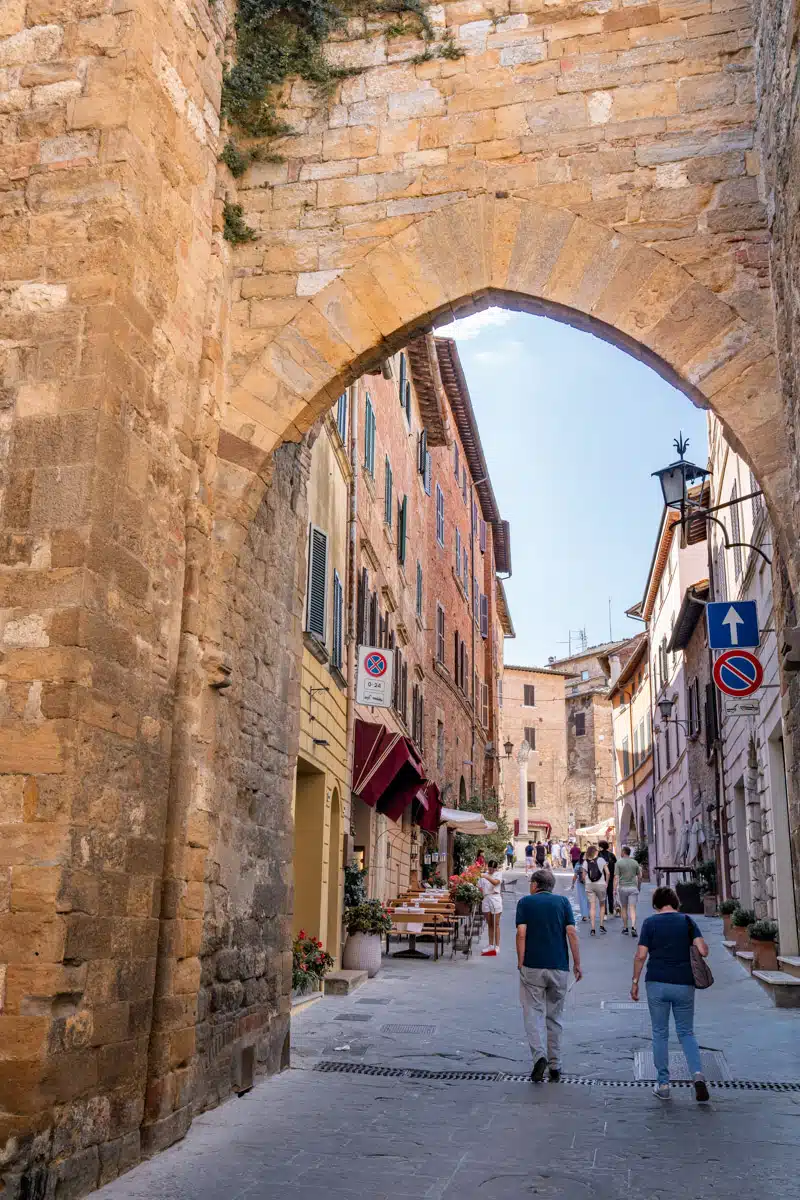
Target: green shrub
<point x="764" y="931"/>
<point x="728" y="906"/>
<point x="742" y="917"/>
<point x="236" y="229"/>
<point x="369" y="917"/>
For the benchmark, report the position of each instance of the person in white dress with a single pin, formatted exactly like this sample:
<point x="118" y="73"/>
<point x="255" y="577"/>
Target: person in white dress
<point x="491" y="906"/>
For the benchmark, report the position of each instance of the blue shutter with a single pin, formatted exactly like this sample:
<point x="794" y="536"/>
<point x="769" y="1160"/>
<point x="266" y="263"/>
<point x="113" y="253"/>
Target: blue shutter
<point x="317" y="583"/>
<point x="458" y="553"/>
<point x="341" y="416"/>
<point x="387" y="493"/>
<point x="419" y="589"/>
<point x="484" y="616"/>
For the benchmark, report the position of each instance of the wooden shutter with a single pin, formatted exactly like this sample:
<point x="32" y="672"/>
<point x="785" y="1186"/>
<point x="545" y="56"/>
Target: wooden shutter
<point x="483" y="536"/>
<point x="407" y="405"/>
<point x="484" y="616"/>
<point x="374" y="617"/>
<point x="465" y="568"/>
<point x="422" y="451"/>
<point x="336" y="655"/>
<point x="455" y="459"/>
<point x="531" y="794"/>
<point x="362" y="607"/>
<point x="387" y="493"/>
<point x="402" y="520"/>
<point x="529" y="695"/>
<point x="440" y="633"/>
<point x="402" y="387"/>
<point x="485" y="705"/>
<point x="419" y="590"/>
<point x="458" y="553"/>
<point x="530" y="736"/>
<point x="580" y="724"/>
<point x="341" y="416"/>
<point x="317" y="583"/>
<point x="456" y="656"/>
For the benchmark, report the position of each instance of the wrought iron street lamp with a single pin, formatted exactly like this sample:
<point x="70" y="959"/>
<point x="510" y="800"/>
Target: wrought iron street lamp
<point x="509" y="748"/>
<point x="677" y="478"/>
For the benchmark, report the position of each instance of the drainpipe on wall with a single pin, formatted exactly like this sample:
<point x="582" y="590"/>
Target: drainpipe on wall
<point x="352" y="574"/>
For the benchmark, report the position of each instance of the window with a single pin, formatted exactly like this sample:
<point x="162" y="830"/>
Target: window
<point x="338" y="612"/>
<point x="757" y="502"/>
<point x="457" y="657"/>
<point x="484" y="616"/>
<point x="736" y="532"/>
<point x="721" y="581"/>
<point x="341" y="416"/>
<point x="387" y="493"/>
<point x="476" y="601"/>
<point x="369" y="437"/>
<point x="693" y="706"/>
<point x="455" y="459"/>
<point x="483" y="536"/>
<point x="362" y="604"/>
<point x="529" y="695"/>
<point x="531" y="794"/>
<point x="580" y="724"/>
<point x="439" y="633"/>
<point x="530" y="736"/>
<point x="464" y="483"/>
<point x="417" y="715"/>
<point x="485" y="705"/>
<point x="427" y="473"/>
<point x="458" y="553"/>
<point x="316" y="612"/>
<point x="422" y="451"/>
<point x="465" y="569"/>
<point x="403" y="382"/>
<point x="402" y="522"/>
<point x="419" y="589"/>
<point x="584" y="676"/>
<point x="711" y="717"/>
<point x="626" y="759"/>
<point x="439" y="746"/>
<point x="667" y="749"/>
<point x="499" y="693"/>
<point x="400" y="684"/>
<point x="407" y="404"/>
<point x="439" y="515"/>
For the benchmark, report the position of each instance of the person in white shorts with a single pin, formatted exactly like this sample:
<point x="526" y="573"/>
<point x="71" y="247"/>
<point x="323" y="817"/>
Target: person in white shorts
<point x="491" y="906"/>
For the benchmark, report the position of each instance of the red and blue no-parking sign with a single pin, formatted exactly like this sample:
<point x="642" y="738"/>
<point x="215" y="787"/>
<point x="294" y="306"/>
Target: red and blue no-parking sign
<point x="738" y="673"/>
<point x="375" y="664"/>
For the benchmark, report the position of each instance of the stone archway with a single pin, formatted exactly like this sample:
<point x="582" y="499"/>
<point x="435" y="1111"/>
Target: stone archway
<point x="489" y="250"/>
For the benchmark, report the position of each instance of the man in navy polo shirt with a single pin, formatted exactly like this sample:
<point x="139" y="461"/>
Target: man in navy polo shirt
<point x="545" y="930"/>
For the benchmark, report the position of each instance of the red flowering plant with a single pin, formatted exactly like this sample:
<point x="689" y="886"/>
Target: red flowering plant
<point x="310" y="963"/>
<point x="464" y="887"/>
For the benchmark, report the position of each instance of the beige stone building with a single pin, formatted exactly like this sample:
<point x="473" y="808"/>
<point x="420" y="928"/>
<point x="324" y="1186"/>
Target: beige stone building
<point x="631" y="705"/>
<point x="590" y="767"/>
<point x="533" y="710"/>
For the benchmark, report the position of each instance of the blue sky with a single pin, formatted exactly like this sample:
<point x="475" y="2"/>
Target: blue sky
<point x="571" y="427"/>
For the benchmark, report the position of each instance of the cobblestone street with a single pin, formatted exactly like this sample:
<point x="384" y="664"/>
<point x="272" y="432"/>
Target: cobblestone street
<point x="380" y="1136"/>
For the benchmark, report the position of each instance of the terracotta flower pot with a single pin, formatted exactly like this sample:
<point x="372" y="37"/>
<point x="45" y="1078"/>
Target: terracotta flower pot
<point x="741" y="935"/>
<point x="727" y="928"/>
<point x="765" y="955"/>
<point x="462" y="908"/>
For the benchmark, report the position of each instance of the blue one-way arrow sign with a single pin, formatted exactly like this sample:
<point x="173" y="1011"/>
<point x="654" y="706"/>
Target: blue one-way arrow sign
<point x="732" y="623"/>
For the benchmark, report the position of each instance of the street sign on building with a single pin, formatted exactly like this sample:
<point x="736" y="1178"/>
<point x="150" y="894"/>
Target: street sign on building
<point x="743" y="708"/>
<point x="374" y="677"/>
<point x="732" y="623"/>
<point x="738" y="673"/>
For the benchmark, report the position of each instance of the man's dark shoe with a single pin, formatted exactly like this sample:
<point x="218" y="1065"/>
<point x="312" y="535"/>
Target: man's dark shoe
<point x="555" y="1075"/>
<point x="539" y="1068"/>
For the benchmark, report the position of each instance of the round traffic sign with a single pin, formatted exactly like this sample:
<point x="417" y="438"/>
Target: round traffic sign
<point x="375" y="664"/>
<point x="738" y="673"/>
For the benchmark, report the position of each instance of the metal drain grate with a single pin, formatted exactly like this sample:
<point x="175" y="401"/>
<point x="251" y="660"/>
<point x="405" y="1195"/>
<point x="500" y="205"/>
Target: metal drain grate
<point x="621" y="1006"/>
<point x="353" y="1017"/>
<point x="350" y="1068"/>
<point x="386" y="1001"/>
<point x="426" y="1030"/>
<point x="714" y="1065"/>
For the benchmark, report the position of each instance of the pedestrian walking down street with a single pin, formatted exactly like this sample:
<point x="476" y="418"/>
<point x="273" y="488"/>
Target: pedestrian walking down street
<point x="545" y="930"/>
<point x="510" y="855"/>
<point x="555" y="853"/>
<point x="579" y="886"/>
<point x="541" y="854"/>
<point x="667" y="938"/>
<point x="492" y="906"/>
<point x="575" y="853"/>
<point x="529" y="856"/>
<point x="596" y="888"/>
<point x="629" y="878"/>
<point x="611" y="862"/>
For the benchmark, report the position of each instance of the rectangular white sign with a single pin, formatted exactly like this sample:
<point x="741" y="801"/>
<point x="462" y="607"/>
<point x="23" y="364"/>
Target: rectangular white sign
<point x="747" y="707"/>
<point x="374" y="677"/>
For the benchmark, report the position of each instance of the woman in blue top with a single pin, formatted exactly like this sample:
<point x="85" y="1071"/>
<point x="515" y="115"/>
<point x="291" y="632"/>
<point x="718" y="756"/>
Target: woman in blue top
<point x="667" y="937"/>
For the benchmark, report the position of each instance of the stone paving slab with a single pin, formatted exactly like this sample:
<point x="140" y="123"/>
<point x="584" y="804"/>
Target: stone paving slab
<point x="305" y="1134"/>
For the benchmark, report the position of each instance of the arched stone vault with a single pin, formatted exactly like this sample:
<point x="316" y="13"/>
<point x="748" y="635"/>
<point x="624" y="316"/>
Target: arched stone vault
<point x="525" y="255"/>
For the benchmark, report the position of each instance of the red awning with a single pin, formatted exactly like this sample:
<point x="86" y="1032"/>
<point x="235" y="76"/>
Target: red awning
<point x="428" y="807"/>
<point x="387" y="769"/>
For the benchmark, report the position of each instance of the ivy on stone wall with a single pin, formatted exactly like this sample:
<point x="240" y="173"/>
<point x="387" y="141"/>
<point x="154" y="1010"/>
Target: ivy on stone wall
<point x="277" y="40"/>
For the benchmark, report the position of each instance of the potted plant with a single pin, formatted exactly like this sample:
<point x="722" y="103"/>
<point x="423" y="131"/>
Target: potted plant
<point x="642" y="856"/>
<point x="727" y="908"/>
<point x="763" y="936"/>
<point x="464" y="896"/>
<point x="310" y="964"/>
<point x="741" y="921"/>
<point x="365" y="923"/>
<point x="707" y="878"/>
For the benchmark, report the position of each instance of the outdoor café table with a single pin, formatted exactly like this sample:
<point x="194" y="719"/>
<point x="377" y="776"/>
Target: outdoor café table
<point x="416" y="918"/>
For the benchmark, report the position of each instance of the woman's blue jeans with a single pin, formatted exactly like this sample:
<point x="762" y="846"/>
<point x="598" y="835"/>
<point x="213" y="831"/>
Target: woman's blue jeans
<point x="679" y="998"/>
